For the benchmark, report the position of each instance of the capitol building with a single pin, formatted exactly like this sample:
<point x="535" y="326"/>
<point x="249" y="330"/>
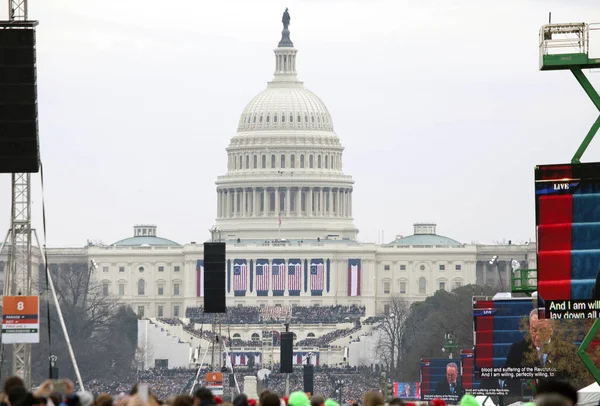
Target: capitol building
<point x="284" y="209"/>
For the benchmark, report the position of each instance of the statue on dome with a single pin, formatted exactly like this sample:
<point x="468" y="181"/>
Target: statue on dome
<point x="286" y="19"/>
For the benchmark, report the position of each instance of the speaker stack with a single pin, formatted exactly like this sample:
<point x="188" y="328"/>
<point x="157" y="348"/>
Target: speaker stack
<point x="19" y="142"/>
<point x="286" y="352"/>
<point x="214" y="277"/>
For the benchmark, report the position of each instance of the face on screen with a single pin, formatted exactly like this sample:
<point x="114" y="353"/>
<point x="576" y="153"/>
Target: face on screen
<point x="451" y="374"/>
<point x="540" y="330"/>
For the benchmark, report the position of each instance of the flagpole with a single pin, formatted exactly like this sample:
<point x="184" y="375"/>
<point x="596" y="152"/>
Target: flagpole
<point x="279" y="232"/>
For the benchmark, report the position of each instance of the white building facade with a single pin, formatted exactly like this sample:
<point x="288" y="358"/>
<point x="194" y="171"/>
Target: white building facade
<point x="285" y="211"/>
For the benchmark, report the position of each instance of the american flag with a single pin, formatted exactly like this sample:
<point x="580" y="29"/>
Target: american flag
<point x="240" y="275"/>
<point x="278" y="275"/>
<point x="262" y="275"/>
<point x="317" y="275"/>
<point x="294" y="275"/>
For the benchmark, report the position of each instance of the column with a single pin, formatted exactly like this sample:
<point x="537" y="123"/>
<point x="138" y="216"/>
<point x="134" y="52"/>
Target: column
<point x="298" y="201"/>
<point x="243" y="210"/>
<point x="288" y="203"/>
<point x="321" y="202"/>
<point x="236" y="206"/>
<point x="350" y="203"/>
<point x="264" y="213"/>
<point x="277" y="202"/>
<point x="330" y="198"/>
<point x="218" y="203"/>
<point x="255" y="201"/>
<point x="309" y="202"/>
<point x="227" y="203"/>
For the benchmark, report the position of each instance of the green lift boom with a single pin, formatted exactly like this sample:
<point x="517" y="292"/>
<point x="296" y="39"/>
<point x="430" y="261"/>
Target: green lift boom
<point x="566" y="47"/>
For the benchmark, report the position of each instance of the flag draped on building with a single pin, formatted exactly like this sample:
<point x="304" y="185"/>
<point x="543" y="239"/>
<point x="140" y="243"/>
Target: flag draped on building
<point x="305" y="358"/>
<point x="262" y="277"/>
<point x="317" y="277"/>
<point x="354" y="277"/>
<point x="278" y="272"/>
<point x="294" y="277"/>
<point x="200" y="278"/>
<point x="240" y="277"/>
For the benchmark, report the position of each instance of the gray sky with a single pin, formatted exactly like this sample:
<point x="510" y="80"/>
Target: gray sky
<point x="439" y="103"/>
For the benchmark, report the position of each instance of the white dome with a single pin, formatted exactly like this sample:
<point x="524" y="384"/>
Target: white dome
<point x="281" y="107"/>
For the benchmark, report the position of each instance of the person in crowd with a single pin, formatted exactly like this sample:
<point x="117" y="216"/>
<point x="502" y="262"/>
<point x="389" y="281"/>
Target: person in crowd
<point x="373" y="399"/>
<point x="103" y="400"/>
<point x="406" y="392"/>
<point x="240" y="400"/>
<point x="317" y="400"/>
<point x="552" y="399"/>
<point x="555" y="386"/>
<point x="396" y="402"/>
<point x="450" y="384"/>
<point x="203" y="397"/>
<point x="269" y="399"/>
<point x="184" y="400"/>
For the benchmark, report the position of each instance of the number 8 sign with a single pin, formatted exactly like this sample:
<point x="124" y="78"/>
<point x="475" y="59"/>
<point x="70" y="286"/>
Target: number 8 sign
<point x="20" y="319"/>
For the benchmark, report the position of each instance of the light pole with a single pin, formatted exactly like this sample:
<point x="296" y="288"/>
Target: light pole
<point x="339" y="384"/>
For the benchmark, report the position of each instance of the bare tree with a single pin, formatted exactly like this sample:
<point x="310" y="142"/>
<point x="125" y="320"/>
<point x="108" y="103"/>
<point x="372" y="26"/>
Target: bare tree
<point x="391" y="331"/>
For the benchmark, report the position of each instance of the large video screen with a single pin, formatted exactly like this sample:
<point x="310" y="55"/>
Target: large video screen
<point x="407" y="390"/>
<point x="567" y="203"/>
<point x="440" y="378"/>
<point x="506" y="333"/>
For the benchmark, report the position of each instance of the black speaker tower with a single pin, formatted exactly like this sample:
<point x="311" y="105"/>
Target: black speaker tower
<point x="309" y="378"/>
<point x="19" y="142"/>
<point x="286" y="352"/>
<point x="214" y="277"/>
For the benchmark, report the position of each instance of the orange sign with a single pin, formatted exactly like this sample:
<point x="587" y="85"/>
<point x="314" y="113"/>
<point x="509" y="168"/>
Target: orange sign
<point x="20" y="319"/>
<point x="214" y="379"/>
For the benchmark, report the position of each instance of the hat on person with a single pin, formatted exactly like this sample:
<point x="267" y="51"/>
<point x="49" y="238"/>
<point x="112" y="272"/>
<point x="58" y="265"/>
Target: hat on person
<point x="331" y="402"/>
<point x="469" y="400"/>
<point x="298" y="398"/>
<point x="85" y="398"/>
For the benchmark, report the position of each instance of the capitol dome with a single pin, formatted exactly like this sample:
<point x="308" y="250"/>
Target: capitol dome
<point x="281" y="107"/>
<point x="284" y="175"/>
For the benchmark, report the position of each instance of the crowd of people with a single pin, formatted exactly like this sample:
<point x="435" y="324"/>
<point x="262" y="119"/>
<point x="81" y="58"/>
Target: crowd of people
<point x="280" y="314"/>
<point x="326" y="339"/>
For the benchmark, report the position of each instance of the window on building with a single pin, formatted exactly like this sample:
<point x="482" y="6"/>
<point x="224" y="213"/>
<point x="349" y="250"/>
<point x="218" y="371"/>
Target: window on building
<point x="326" y="161"/>
<point x="161" y="269"/>
<point x="255" y="337"/>
<point x="141" y="269"/>
<point x="121" y="269"/>
<point x="1" y="287"/>
<point x="442" y="285"/>
<point x="442" y="267"/>
<point x="386" y="309"/>
<point x="247" y="162"/>
<point x="301" y="161"/>
<point x="319" y="161"/>
<point x="402" y="287"/>
<point x="255" y="162"/>
<point x="140" y="311"/>
<point x="386" y="267"/>
<point x="386" y="287"/>
<point x="264" y="162"/>
<point x="175" y="311"/>
<point x="458" y="267"/>
<point x="177" y="268"/>
<point x="403" y="267"/>
<point x="104" y="269"/>
<point x="283" y="161"/>
<point x="141" y="287"/>
<point x="160" y="311"/>
<point x="293" y="161"/>
<point x="176" y="289"/>
<point x="273" y="162"/>
<point x="161" y="289"/>
<point x="457" y="284"/>
<point x="121" y="289"/>
<point x="422" y="285"/>
<point x="105" y="288"/>
<point x="310" y="162"/>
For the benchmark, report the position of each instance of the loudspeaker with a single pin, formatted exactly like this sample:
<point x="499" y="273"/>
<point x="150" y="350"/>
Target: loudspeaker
<point x="309" y="378"/>
<point x="19" y="142"/>
<point x="286" y="352"/>
<point x="214" y="277"/>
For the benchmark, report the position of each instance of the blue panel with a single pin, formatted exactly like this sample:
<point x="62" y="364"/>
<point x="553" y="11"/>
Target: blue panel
<point x="585" y="236"/>
<point x="584" y="265"/>
<point x="586" y="208"/>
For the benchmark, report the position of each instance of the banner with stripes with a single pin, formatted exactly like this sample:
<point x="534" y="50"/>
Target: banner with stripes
<point x="251" y="275"/>
<point x="262" y="277"/>
<point x="278" y="272"/>
<point x="317" y="277"/>
<point x="306" y="275"/>
<point x="243" y="358"/>
<point x="294" y="277"/>
<point x="354" y="277"/>
<point x="228" y="275"/>
<point x="305" y="358"/>
<point x="240" y="277"/>
<point x="328" y="275"/>
<point x="200" y="278"/>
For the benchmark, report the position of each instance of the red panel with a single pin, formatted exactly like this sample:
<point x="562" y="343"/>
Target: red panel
<point x="554" y="237"/>
<point x="554" y="275"/>
<point x="553" y="172"/>
<point x="484" y="336"/>
<point x="555" y="209"/>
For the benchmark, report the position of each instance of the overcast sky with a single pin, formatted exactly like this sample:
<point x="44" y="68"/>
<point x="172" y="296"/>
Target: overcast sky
<point x="439" y="104"/>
